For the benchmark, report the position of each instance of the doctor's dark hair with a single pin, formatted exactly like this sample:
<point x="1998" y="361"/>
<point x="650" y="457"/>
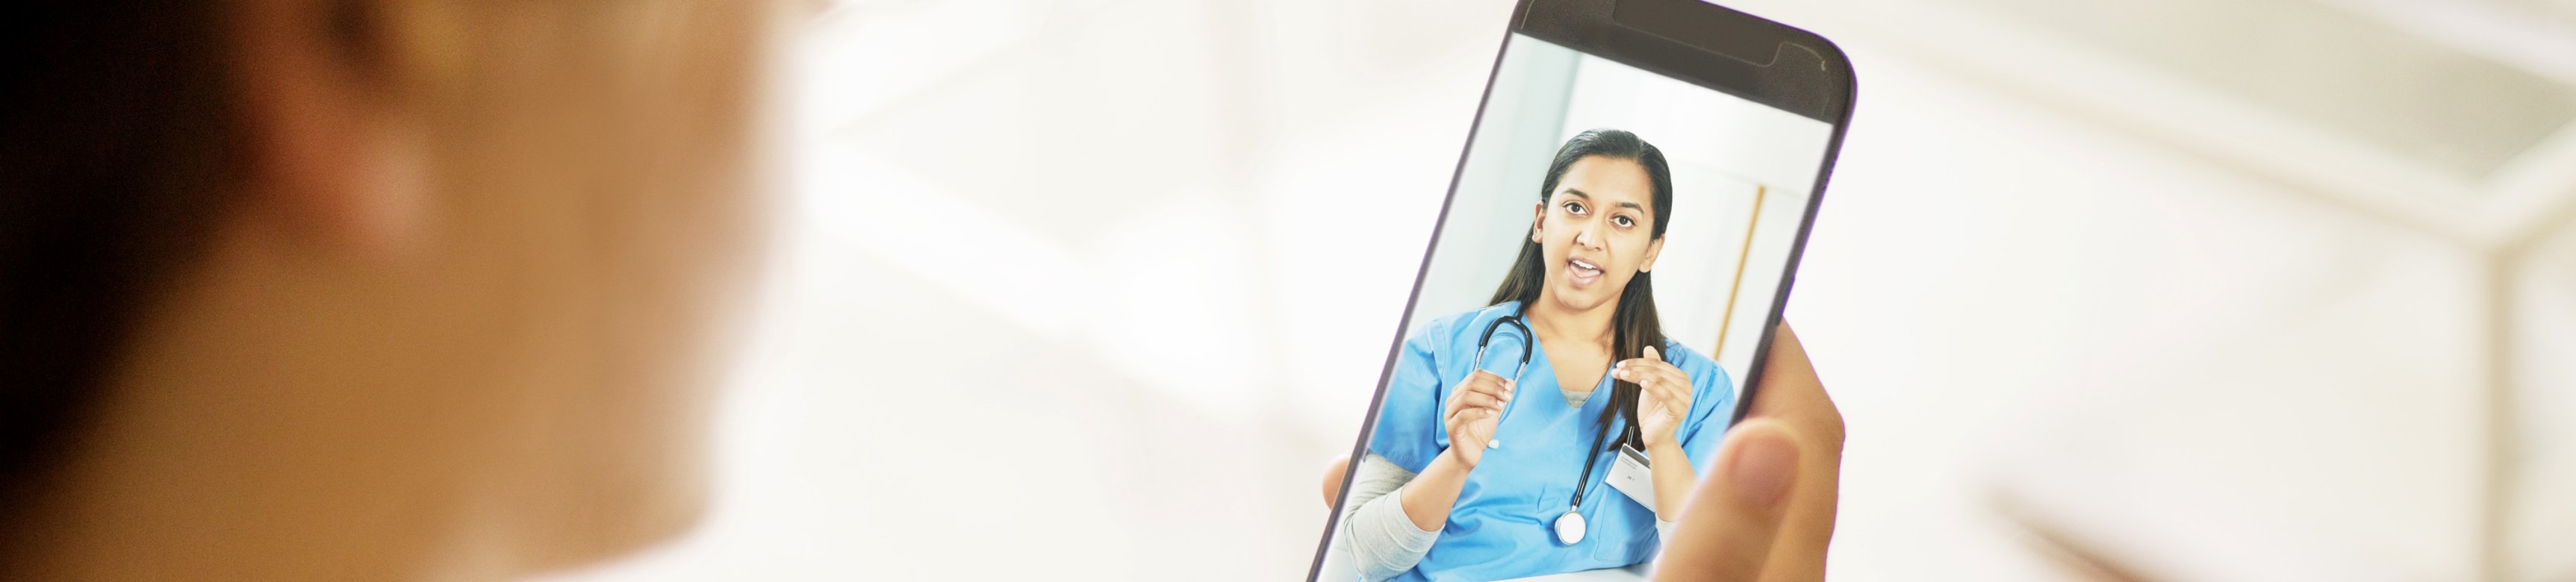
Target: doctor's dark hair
<point x="114" y="158"/>
<point x="1633" y="325"/>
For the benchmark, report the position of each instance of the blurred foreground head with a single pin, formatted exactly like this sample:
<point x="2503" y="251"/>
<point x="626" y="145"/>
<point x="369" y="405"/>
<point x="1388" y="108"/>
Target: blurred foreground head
<point x="365" y="288"/>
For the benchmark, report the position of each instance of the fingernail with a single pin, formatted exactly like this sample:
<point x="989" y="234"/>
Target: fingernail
<point x="1764" y="468"/>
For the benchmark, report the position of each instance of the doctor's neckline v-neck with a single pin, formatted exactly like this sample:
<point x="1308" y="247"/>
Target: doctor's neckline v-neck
<point x="1572" y="400"/>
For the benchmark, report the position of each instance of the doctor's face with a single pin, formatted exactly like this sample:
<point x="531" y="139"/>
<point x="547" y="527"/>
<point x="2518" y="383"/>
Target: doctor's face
<point x="1596" y="231"/>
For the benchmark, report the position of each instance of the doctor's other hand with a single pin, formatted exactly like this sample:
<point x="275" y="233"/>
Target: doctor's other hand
<point x="1474" y="409"/>
<point x="1766" y="510"/>
<point x="1663" y="395"/>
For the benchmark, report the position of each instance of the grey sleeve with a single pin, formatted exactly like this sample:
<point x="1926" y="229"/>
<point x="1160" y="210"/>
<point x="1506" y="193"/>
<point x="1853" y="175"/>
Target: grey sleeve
<point x="1382" y="540"/>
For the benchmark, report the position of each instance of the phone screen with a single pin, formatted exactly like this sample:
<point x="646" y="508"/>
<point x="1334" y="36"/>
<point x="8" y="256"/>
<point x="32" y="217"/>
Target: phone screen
<point x="1601" y="211"/>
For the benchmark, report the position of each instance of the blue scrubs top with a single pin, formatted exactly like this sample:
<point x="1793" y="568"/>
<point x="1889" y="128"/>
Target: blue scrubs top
<point x="1503" y="524"/>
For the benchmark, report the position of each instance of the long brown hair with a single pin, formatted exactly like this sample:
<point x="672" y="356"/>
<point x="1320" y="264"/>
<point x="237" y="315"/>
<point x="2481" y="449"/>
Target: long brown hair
<point x="1633" y="324"/>
<point x="113" y="157"/>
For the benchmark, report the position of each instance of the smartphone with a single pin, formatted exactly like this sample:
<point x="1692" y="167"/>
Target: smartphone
<point x="1601" y="287"/>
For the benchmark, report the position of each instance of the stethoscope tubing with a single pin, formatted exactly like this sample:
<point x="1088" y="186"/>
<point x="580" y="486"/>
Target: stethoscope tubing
<point x="1528" y="345"/>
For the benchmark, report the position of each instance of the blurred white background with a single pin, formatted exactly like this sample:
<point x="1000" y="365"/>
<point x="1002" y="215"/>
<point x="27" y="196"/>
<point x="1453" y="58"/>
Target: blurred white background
<point x="2160" y="290"/>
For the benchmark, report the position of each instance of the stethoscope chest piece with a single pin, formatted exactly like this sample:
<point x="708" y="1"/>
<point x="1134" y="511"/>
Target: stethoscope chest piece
<point x="1569" y="527"/>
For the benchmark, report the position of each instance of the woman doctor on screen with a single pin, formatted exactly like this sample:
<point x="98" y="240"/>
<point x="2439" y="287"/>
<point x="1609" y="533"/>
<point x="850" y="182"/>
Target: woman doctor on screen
<point x="1467" y="477"/>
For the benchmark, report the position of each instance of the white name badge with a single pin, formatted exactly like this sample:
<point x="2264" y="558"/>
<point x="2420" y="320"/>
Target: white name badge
<point x="1631" y="474"/>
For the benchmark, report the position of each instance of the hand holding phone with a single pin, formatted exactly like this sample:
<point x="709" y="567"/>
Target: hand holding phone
<point x="1767" y="512"/>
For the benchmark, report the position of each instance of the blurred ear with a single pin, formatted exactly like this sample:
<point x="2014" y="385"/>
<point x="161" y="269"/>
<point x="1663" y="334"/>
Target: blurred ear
<point x="332" y="158"/>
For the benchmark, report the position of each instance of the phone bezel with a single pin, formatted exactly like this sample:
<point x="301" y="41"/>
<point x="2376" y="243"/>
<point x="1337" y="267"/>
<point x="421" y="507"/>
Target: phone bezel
<point x="1722" y="57"/>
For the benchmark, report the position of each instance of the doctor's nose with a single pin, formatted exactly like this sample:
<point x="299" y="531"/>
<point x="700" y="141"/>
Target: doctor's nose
<point x="1583" y="237"/>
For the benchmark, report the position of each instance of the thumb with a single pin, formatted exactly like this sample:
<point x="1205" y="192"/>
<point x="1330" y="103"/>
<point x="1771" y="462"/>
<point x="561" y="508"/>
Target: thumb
<point x="1651" y="354"/>
<point x="1729" y="523"/>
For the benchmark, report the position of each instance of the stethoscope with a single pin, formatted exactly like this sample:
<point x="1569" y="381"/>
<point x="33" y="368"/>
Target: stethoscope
<point x="1527" y="340"/>
<point x="1569" y="527"/>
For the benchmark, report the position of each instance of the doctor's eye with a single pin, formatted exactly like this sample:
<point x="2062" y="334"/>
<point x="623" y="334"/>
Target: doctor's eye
<point x="1574" y="207"/>
<point x="1623" y="221"/>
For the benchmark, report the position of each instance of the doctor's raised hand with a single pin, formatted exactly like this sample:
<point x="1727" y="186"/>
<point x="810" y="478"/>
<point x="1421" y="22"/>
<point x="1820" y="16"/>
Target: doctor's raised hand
<point x="1663" y="399"/>
<point x="1473" y="412"/>
<point x="1766" y="510"/>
